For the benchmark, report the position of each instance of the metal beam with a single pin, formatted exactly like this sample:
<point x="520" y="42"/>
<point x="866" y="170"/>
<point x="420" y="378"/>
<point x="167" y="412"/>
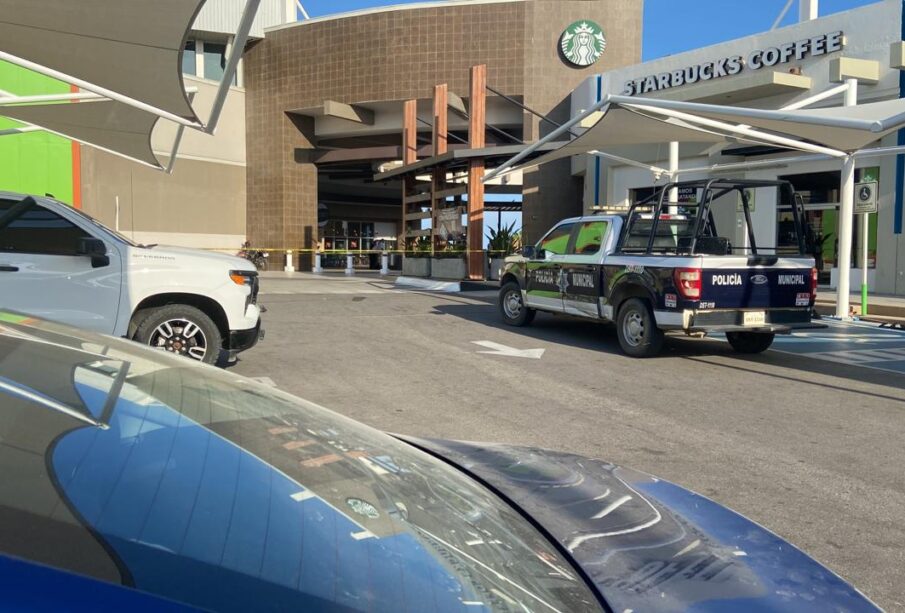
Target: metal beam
<point x="750" y="133"/>
<point x="97" y="89"/>
<point x="693" y="107"/>
<point x="782" y="14"/>
<point x="628" y="162"/>
<point x="176" y="142"/>
<point x="804" y="102"/>
<point x="232" y="64"/>
<point x="551" y="137"/>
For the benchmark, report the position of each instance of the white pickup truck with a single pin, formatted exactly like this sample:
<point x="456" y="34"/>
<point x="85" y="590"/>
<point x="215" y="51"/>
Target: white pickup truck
<point x="60" y="264"/>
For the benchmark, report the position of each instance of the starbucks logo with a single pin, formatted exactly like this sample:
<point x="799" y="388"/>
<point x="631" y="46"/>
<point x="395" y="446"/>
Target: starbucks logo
<point x="582" y="43"/>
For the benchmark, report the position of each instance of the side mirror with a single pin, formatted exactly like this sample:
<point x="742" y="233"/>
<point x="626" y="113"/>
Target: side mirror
<point x="95" y="249"/>
<point x="533" y="253"/>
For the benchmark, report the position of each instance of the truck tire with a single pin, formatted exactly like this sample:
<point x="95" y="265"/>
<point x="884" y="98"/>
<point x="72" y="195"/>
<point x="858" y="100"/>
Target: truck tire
<point x="512" y="306"/>
<point x="637" y="329"/>
<point x="750" y="342"/>
<point x="180" y="329"/>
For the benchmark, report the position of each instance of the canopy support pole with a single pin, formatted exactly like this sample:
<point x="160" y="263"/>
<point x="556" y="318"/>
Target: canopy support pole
<point x="804" y="102"/>
<point x="846" y="216"/>
<point x="176" y="142"/>
<point x="232" y="64"/>
<point x="546" y="139"/>
<point x="673" y="175"/>
<point x="629" y="162"/>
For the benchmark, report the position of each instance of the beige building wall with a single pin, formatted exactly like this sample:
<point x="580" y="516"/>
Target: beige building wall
<point x="201" y="204"/>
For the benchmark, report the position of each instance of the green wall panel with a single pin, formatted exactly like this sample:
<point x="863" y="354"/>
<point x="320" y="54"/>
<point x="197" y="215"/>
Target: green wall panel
<point x="35" y="162"/>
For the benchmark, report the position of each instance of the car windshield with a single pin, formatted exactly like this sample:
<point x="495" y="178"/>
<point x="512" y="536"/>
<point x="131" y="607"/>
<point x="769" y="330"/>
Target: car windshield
<point x="98" y="224"/>
<point x="212" y="490"/>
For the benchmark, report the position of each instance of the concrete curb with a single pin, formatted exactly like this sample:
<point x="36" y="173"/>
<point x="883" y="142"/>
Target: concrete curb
<point x="432" y="285"/>
<point x="828" y="307"/>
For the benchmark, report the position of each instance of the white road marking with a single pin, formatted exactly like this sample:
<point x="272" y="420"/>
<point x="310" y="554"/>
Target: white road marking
<point x="511" y="352"/>
<point x="265" y="380"/>
<point x="861" y="356"/>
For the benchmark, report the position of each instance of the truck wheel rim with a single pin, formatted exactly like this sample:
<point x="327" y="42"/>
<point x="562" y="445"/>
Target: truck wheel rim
<point x="180" y="336"/>
<point x="512" y="304"/>
<point x="633" y="328"/>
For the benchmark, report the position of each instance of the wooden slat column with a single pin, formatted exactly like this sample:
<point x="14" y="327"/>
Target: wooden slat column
<point x="477" y="124"/>
<point x="409" y="156"/>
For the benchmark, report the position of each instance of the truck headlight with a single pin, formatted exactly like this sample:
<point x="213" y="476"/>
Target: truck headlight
<point x="242" y="277"/>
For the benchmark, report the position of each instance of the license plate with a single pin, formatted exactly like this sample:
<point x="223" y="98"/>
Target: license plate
<point x="754" y="318"/>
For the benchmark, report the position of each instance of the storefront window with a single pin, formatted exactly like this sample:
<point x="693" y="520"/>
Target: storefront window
<point x="215" y="61"/>
<point x="819" y="192"/>
<point x="342" y="238"/>
<point x="189" y="65"/>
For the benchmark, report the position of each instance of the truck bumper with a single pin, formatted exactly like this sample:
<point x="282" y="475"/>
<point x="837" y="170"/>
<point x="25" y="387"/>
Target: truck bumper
<point x="731" y="320"/>
<point x="241" y="340"/>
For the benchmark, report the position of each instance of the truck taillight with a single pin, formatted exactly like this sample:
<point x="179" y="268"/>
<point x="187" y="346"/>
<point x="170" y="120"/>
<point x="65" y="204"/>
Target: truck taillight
<point x="688" y="282"/>
<point x="813" y="285"/>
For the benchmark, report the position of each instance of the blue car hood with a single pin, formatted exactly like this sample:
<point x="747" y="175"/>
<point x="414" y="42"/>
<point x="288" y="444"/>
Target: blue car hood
<point x="650" y="545"/>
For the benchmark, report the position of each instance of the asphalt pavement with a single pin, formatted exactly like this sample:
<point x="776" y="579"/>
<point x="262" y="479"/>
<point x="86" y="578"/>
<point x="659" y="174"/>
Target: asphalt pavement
<point x="806" y="439"/>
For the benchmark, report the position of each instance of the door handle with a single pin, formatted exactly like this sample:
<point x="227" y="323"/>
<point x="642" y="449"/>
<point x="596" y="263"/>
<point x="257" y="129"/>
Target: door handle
<point x="4" y="268"/>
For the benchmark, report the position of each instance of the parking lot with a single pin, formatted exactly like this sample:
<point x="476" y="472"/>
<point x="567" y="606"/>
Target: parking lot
<point x="808" y="445"/>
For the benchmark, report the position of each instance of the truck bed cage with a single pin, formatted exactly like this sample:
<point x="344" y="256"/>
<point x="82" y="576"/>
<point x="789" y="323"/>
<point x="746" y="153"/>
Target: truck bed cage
<point x="702" y="224"/>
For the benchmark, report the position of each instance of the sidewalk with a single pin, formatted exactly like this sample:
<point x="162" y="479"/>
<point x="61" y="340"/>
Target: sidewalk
<point x="881" y="305"/>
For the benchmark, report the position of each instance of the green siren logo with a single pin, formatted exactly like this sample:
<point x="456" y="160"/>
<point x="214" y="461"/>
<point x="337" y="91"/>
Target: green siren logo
<point x="583" y="42"/>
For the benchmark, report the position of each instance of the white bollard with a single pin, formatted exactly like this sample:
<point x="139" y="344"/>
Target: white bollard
<point x="384" y="264"/>
<point x="289" y="267"/>
<point x="349" y="269"/>
<point x="317" y="264"/>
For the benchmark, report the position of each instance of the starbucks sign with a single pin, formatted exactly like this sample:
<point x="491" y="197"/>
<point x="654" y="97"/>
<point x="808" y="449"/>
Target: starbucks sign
<point x="582" y="43"/>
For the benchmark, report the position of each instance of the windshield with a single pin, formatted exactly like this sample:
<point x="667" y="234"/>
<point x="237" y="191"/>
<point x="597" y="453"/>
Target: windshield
<point x="98" y="224"/>
<point x="185" y="471"/>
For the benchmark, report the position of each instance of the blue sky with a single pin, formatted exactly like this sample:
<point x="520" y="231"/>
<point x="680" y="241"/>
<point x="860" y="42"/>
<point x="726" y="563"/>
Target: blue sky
<point x="670" y="26"/>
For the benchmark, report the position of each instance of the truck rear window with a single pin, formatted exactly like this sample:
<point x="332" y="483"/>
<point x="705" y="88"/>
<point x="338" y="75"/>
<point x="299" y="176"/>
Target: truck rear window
<point x="671" y="230"/>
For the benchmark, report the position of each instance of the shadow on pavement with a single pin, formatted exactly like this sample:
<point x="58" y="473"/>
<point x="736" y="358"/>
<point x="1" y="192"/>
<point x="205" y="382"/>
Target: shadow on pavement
<point x="574" y="332"/>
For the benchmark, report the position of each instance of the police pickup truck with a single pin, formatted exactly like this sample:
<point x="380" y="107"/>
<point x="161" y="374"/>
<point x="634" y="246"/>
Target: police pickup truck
<point x="664" y="267"/>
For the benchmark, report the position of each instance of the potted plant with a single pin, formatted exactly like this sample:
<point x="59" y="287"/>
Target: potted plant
<point x="417" y="261"/>
<point x="449" y="262"/>
<point x="502" y="242"/>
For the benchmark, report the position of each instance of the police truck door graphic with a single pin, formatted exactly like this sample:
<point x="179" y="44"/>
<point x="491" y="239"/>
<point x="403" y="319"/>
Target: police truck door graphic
<point x="544" y="274"/>
<point x="581" y="270"/>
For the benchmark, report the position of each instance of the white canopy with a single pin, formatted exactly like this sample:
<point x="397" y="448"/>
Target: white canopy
<point x="842" y="128"/>
<point x="132" y="47"/>
<point x="628" y="120"/>
<point x="105" y="124"/>
<point x="125" y="56"/>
